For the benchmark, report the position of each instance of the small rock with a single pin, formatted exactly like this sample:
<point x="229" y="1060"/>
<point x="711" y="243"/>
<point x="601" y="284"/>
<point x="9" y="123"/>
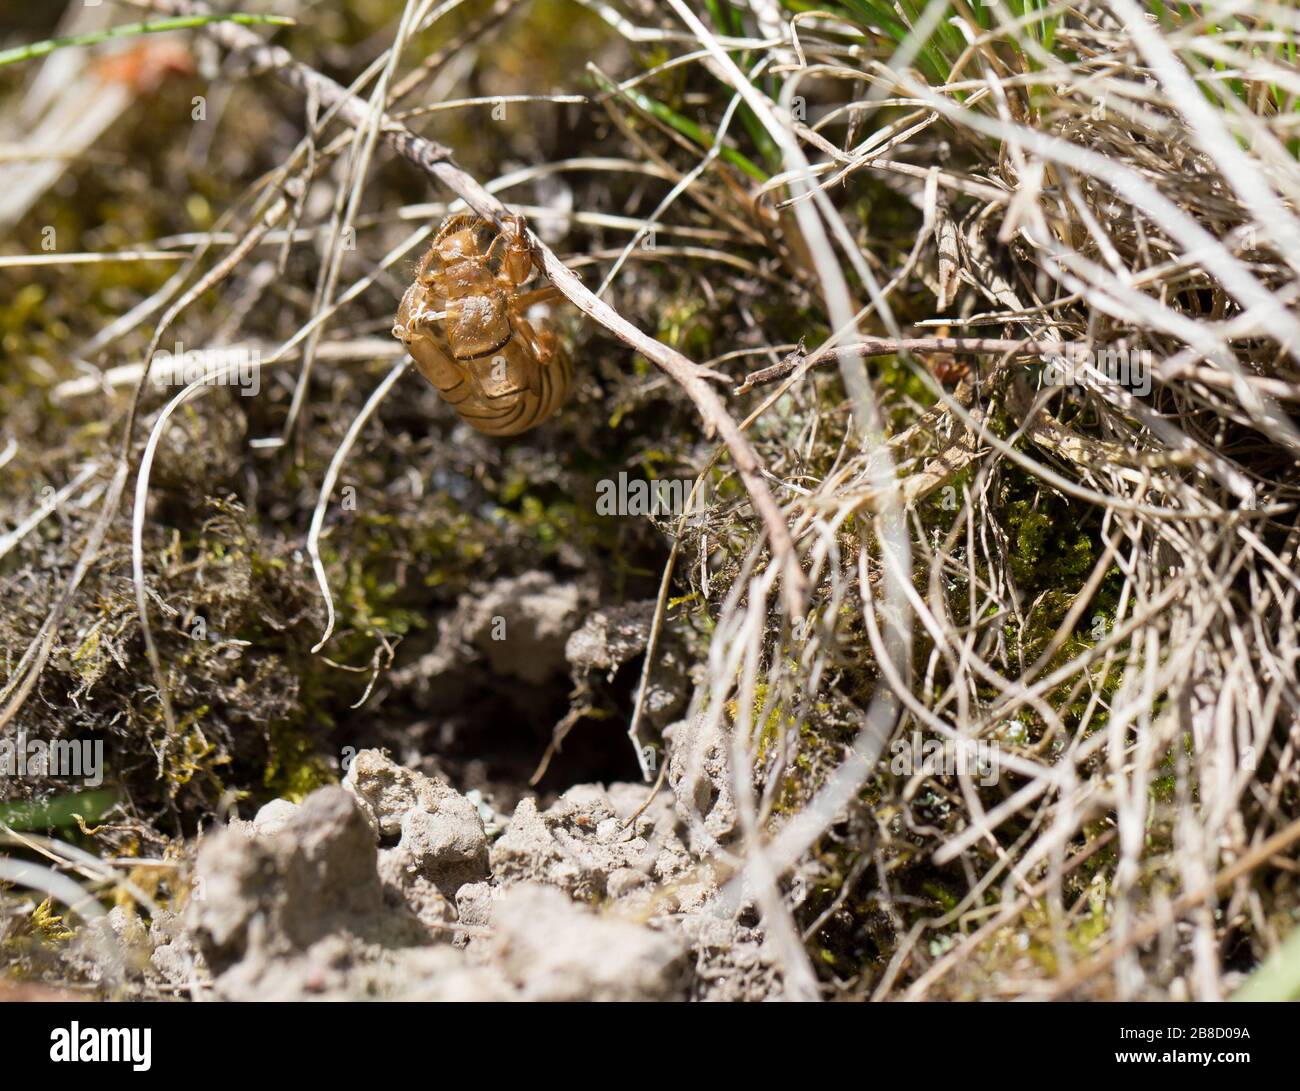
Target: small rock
<point x="520" y="625"/>
<point x="700" y="777"/>
<point x="551" y="949"/>
<point x="276" y="892"/>
<point x="442" y="839"/>
<point x="474" y="903"/>
<point x="273" y="817"/>
<point x="610" y="637"/>
<point x="574" y="845"/>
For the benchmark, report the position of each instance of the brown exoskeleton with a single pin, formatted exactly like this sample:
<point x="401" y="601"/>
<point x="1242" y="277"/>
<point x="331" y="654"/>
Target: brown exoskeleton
<point x="464" y="322"/>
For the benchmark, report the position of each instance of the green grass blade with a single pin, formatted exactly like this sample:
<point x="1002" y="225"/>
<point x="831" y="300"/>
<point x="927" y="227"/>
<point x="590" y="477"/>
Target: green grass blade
<point x="34" y="50"/>
<point x="697" y="134"/>
<point x="59" y="812"/>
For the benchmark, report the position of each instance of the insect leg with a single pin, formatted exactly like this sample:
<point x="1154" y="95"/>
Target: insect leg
<point x="538" y="295"/>
<point x="510" y="257"/>
<point x="413" y="316"/>
<point x="541" y="343"/>
<point x="436" y="366"/>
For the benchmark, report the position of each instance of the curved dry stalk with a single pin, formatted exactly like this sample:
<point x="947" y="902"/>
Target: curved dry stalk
<point x="327" y="490"/>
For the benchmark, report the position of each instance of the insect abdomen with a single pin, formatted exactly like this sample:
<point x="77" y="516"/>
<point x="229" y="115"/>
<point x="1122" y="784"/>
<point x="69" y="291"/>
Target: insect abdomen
<point x="499" y="395"/>
<point x="525" y="395"/>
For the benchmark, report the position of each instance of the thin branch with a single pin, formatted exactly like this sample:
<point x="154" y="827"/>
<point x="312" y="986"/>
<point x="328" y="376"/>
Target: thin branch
<point x="889" y="346"/>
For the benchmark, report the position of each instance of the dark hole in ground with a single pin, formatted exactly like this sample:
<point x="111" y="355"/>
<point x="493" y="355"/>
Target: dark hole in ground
<point x="492" y="734"/>
<point x="1239" y="955"/>
<point x="595" y="750"/>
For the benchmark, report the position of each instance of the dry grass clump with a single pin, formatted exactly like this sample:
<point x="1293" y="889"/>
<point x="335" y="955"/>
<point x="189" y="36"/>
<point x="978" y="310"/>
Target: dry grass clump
<point x="1091" y="580"/>
<point x="993" y="307"/>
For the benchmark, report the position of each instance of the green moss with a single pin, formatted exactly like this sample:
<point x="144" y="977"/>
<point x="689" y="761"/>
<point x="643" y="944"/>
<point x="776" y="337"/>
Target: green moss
<point x="295" y="767"/>
<point x="49" y="925"/>
<point x="1094" y="922"/>
<point x="1049" y="549"/>
<point x="687" y="324"/>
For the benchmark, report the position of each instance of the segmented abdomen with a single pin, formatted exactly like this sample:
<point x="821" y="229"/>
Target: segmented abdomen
<point x="501" y="394"/>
